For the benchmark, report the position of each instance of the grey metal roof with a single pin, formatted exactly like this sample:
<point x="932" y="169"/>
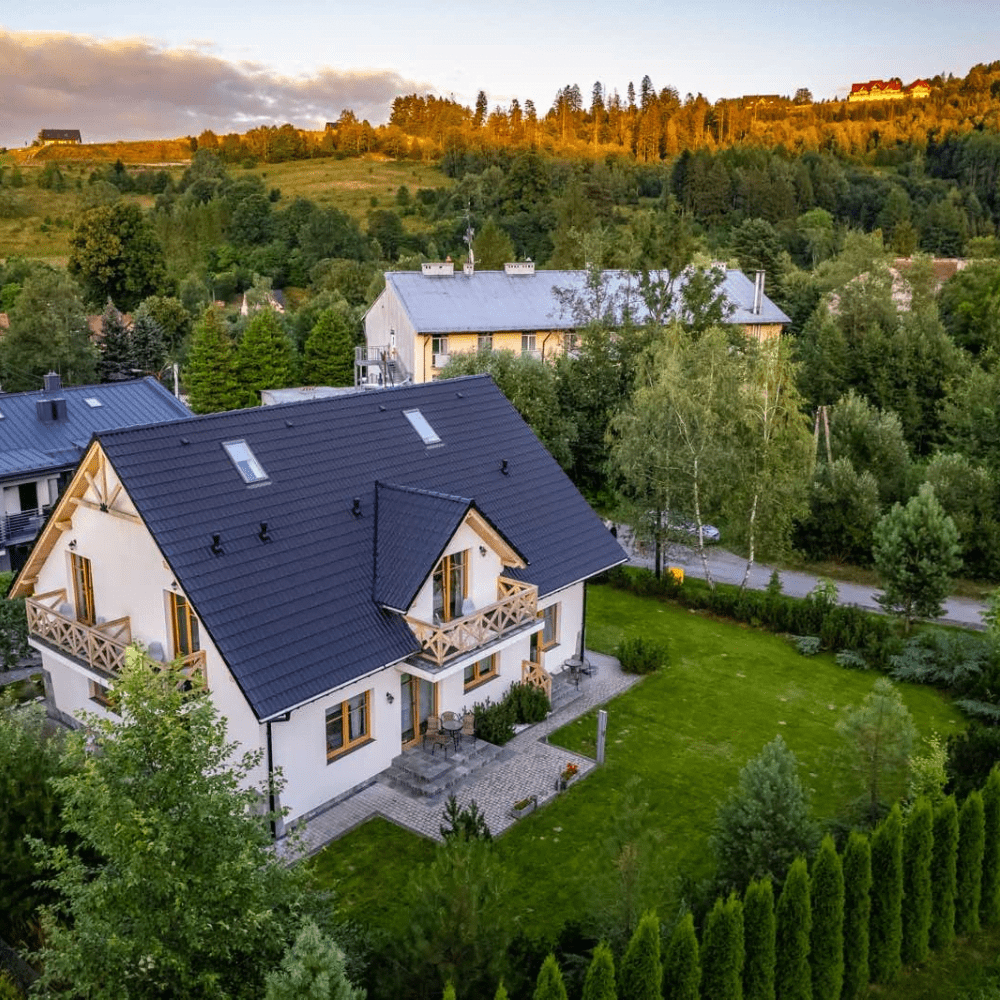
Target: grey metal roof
<point x="493" y="301"/>
<point x="28" y="444"/>
<point x="295" y="616"/>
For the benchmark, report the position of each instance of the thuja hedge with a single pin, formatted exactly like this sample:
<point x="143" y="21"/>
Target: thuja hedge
<point x="851" y="922"/>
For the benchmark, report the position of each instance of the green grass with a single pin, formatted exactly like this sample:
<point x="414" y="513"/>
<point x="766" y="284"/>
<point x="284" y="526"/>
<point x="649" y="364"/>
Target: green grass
<point x="683" y="734"/>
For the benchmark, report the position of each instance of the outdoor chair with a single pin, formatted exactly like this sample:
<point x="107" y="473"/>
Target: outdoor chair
<point x="434" y="734"/>
<point x="469" y="727"/>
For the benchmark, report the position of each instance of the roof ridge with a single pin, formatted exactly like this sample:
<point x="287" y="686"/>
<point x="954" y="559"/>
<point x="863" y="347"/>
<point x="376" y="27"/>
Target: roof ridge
<point x="423" y="492"/>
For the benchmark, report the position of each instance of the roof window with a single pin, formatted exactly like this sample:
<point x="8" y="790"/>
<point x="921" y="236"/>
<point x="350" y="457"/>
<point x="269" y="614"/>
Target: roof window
<point x="421" y="425"/>
<point x="246" y="463"/>
<point x="91" y="401"/>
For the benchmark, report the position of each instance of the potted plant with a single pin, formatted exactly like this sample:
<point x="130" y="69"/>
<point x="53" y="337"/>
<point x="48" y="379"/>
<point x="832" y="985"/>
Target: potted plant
<point x="524" y="806"/>
<point x="568" y="773"/>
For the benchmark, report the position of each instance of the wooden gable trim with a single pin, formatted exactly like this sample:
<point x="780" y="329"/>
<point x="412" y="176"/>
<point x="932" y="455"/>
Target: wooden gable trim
<point x="88" y="488"/>
<point x="493" y="539"/>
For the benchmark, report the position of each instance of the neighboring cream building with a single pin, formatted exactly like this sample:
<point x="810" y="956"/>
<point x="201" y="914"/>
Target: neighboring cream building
<point x="423" y="317"/>
<point x="337" y="570"/>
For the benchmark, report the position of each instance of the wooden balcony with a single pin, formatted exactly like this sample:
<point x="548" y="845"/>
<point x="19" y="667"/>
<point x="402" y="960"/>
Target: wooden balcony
<point x="100" y="647"/>
<point x="517" y="605"/>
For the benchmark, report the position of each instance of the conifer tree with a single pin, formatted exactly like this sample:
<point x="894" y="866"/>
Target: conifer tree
<point x="640" y="973"/>
<point x="312" y="969"/>
<point x="501" y="993"/>
<point x="328" y="354"/>
<point x="599" y="983"/>
<point x="944" y="858"/>
<point x="857" y="911"/>
<point x="969" y="864"/>
<point x="989" y="903"/>
<point x="793" y="925"/>
<point x="265" y="358"/>
<point x="550" y="985"/>
<point x="116" y="362"/>
<point x="449" y="991"/>
<point x="886" y="926"/>
<point x="210" y="375"/>
<point x="682" y="967"/>
<point x="492" y="246"/>
<point x="148" y="351"/>
<point x="918" y="849"/>
<point x="722" y="951"/>
<point x="758" y="938"/>
<point x="826" y="942"/>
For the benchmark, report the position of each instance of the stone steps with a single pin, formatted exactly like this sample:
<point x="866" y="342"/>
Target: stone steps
<point x="429" y="777"/>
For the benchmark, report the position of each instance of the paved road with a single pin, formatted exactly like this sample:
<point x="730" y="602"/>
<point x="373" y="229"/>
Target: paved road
<point x="726" y="567"/>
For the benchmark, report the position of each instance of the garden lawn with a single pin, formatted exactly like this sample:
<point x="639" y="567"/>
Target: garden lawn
<point x="676" y="742"/>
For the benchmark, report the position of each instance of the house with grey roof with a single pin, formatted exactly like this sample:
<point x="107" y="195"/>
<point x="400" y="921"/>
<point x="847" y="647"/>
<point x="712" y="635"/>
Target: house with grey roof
<point x="43" y="433"/>
<point x="423" y="317"/>
<point x="338" y="571"/>
<point x="59" y="136"/>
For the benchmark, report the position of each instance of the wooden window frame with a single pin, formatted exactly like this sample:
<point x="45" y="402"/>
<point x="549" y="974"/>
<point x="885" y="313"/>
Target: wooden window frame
<point x="445" y="569"/>
<point x="479" y="676"/>
<point x="83" y="588"/>
<point x="544" y="614"/>
<point x="180" y="606"/>
<point x="342" y="713"/>
<point x="99" y="695"/>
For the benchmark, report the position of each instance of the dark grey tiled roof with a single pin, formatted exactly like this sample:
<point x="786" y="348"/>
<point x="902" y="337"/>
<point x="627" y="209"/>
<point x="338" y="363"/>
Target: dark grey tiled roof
<point x="412" y="527"/>
<point x="28" y="444"/>
<point x="295" y="617"/>
<point x="497" y="301"/>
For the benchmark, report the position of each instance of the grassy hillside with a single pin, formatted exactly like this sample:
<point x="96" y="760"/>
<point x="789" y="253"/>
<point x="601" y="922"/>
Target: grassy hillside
<point x="157" y="151"/>
<point x="37" y="223"/>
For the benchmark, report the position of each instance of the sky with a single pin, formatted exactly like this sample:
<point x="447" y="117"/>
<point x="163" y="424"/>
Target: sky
<point x="138" y="69"/>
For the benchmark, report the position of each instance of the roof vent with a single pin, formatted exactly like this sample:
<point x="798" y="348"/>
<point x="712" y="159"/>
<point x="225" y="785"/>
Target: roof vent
<point x="519" y="267"/>
<point x="50" y="411"/>
<point x="758" y="293"/>
<point x="216" y="547"/>
<point x="53" y="382"/>
<point x="264" y="535"/>
<point x="505" y="467"/>
<point x="356" y="509"/>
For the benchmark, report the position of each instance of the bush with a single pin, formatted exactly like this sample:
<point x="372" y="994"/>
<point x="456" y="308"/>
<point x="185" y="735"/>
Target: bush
<point x="494" y="721"/>
<point x="857" y="910"/>
<point x="944" y="855"/>
<point x="529" y="703"/>
<point x="886" y="929"/>
<point x="642" y="656"/>
<point x="969" y="865"/>
<point x="793" y="925"/>
<point x="467" y="823"/>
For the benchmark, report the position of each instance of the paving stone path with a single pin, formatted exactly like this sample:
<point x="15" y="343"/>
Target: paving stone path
<point x="526" y="766"/>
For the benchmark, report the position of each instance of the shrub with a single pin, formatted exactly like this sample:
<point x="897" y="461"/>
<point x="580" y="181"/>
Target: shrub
<point x="989" y="903"/>
<point x="886" y="927"/>
<point x="550" y="984"/>
<point x="944" y="855"/>
<point x="722" y="951"/>
<point x="969" y="864"/>
<point x="682" y="967"/>
<point x="599" y="983"/>
<point x="826" y="942"/>
<point x="529" y="703"/>
<point x="793" y="924"/>
<point x="857" y="910"/>
<point x="758" y="938"/>
<point x="494" y="721"/>
<point x="807" y="645"/>
<point x="917" y="851"/>
<point x="467" y="823"/>
<point x="971" y="756"/>
<point x="640" y="972"/>
<point x="642" y="656"/>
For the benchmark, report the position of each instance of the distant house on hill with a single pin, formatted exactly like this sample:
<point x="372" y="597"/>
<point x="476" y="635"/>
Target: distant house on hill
<point x="888" y="90"/>
<point x="59" y="136"/>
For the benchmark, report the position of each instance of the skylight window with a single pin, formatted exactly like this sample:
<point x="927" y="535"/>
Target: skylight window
<point x="422" y="426"/>
<point x="243" y="458"/>
<point x="90" y="401"/>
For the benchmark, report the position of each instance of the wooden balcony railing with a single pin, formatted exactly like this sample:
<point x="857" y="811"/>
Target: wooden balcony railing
<point x="517" y="605"/>
<point x="534" y="673"/>
<point x="100" y="647"/>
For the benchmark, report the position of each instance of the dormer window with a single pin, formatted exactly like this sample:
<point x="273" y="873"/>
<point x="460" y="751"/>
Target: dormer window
<point x="246" y="463"/>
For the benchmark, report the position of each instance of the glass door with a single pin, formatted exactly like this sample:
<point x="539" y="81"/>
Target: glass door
<point x="418" y="700"/>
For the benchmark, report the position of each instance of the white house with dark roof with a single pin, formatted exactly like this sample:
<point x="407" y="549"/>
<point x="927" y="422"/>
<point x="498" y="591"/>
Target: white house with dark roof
<point x="423" y="317"/>
<point x="339" y="570"/>
<point x="42" y="436"/>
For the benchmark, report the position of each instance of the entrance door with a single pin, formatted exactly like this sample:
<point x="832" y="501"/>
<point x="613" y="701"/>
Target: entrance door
<point x="418" y="699"/>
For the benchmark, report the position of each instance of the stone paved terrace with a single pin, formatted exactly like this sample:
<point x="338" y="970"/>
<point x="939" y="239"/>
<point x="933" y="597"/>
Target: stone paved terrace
<point x="526" y="766"/>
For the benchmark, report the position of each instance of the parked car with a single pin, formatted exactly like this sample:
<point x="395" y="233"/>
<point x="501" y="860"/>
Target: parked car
<point x="685" y="527"/>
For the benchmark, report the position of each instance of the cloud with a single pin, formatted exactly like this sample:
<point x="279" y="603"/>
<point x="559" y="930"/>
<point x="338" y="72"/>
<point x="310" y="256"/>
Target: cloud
<point x="134" y="89"/>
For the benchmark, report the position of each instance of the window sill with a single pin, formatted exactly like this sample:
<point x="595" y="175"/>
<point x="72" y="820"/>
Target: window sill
<point x="551" y="645"/>
<point x="347" y="751"/>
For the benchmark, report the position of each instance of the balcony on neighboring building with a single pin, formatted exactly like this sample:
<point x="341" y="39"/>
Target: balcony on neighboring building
<point x="22" y="526"/>
<point x="100" y="647"/>
<point x="516" y="606"/>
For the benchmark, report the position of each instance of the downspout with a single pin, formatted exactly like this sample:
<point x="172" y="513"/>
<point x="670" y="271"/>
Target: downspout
<point x="583" y="623"/>
<point x="271" y="797"/>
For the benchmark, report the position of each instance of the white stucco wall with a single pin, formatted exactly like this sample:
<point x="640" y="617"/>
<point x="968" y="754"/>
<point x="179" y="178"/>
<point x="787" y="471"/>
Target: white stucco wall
<point x="388" y="314"/>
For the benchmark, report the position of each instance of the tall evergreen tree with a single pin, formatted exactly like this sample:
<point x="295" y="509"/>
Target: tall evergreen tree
<point x="918" y="849"/>
<point x="550" y="985"/>
<point x="989" y="903"/>
<point x="640" y="973"/>
<point x="682" y="967"/>
<point x="265" y="357"/>
<point x="944" y="858"/>
<point x="492" y="246"/>
<point x="599" y="983"/>
<point x="312" y="969"/>
<point x="116" y="362"/>
<point x="328" y="355"/>
<point x="793" y="925"/>
<point x="969" y="864"/>
<point x="886" y="927"/>
<point x="210" y="375"/>
<point x="857" y="911"/>
<point x="722" y="951"/>
<point x="826" y="942"/>
<point x="758" y="938"/>
<point x="148" y="352"/>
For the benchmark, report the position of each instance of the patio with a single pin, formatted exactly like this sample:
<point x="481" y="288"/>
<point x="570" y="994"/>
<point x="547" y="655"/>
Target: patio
<point x="412" y="792"/>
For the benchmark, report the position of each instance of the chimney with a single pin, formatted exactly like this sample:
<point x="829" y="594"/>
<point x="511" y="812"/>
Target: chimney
<point x="758" y="293"/>
<point x="53" y="383"/>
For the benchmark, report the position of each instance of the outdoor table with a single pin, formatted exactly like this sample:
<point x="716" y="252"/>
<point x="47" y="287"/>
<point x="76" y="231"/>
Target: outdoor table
<point x="454" y="729"/>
